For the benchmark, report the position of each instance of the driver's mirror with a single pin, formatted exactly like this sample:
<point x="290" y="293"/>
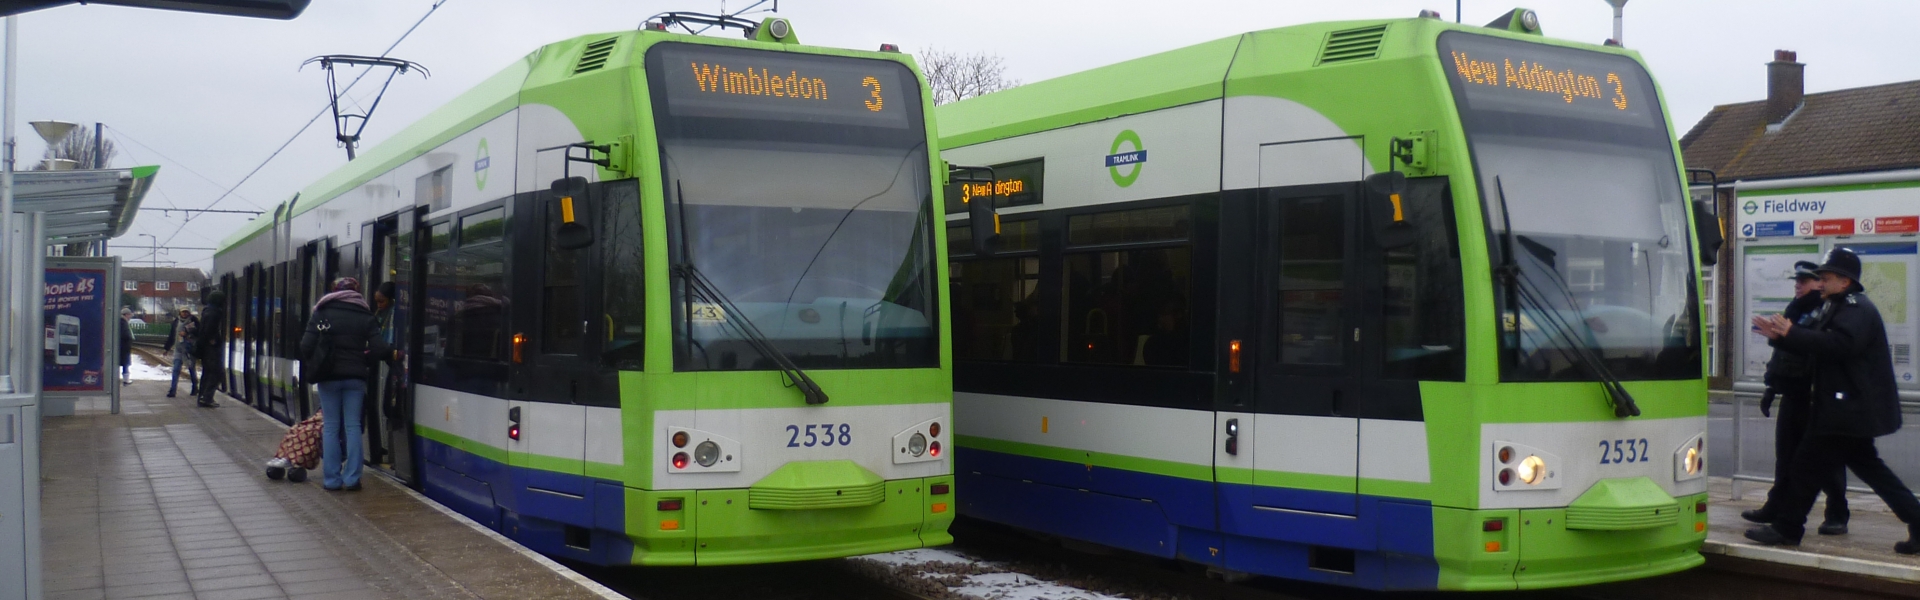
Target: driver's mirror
<point x="575" y="205"/>
<point x="985" y="225"/>
<point x="1386" y="209"/>
<point x="1706" y="227"/>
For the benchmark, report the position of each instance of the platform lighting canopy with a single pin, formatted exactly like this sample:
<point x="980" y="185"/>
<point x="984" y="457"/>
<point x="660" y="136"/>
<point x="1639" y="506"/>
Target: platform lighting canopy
<point x="263" y="9"/>
<point x="53" y="131"/>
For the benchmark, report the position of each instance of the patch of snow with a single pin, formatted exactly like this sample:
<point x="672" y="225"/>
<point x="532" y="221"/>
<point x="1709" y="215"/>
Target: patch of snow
<point x="920" y="556"/>
<point x="1019" y="586"/>
<point x="143" y="371"/>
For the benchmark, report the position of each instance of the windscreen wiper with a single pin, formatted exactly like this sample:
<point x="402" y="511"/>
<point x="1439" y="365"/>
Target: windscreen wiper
<point x="703" y="287"/>
<point x="1521" y="287"/>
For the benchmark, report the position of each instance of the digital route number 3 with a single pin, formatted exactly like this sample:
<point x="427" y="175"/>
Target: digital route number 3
<point x="874" y="89"/>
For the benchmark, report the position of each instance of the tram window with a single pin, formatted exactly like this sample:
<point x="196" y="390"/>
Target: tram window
<point x="443" y="294"/>
<point x="1015" y="236"/>
<point x="1163" y="224"/>
<point x="996" y="309"/>
<point x="1313" y="278"/>
<point x="480" y="315"/>
<point x="623" y="275"/>
<point x="561" y="322"/>
<point x="1422" y="314"/>
<point x="1128" y="307"/>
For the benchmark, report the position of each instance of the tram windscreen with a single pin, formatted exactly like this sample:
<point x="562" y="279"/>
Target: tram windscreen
<point x="799" y="185"/>
<point x="1572" y="151"/>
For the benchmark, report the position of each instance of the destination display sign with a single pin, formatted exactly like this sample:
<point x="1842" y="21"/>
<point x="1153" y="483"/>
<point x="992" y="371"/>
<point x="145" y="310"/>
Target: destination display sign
<point x="1492" y="73"/>
<point x="1014" y="184"/>
<point x="710" y="81"/>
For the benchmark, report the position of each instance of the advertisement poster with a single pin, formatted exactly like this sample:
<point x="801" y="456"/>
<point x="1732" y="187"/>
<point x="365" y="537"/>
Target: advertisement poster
<point x="1768" y="272"/>
<point x="76" y="329"/>
<point x="1887" y="271"/>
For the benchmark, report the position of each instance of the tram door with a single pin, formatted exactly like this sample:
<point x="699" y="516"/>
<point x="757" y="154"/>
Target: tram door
<point x="1306" y="444"/>
<point x="397" y="259"/>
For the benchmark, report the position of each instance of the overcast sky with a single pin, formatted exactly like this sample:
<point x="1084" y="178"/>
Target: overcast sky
<point x="209" y="98"/>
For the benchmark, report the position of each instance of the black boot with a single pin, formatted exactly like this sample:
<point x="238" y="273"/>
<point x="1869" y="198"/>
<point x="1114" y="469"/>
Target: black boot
<point x="1907" y="547"/>
<point x="1833" y="528"/>
<point x="1765" y="534"/>
<point x="1758" y="515"/>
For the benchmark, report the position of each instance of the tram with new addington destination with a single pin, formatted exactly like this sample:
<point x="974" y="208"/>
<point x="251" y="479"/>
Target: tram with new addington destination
<point x="1395" y="304"/>
<point x="665" y="299"/>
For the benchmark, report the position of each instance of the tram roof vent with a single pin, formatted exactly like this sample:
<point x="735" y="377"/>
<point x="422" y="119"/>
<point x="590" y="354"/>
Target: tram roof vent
<point x="595" y="56"/>
<point x="1352" y="44"/>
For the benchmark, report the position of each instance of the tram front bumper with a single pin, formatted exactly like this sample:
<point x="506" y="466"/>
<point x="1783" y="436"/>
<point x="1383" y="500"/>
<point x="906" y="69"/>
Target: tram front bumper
<point x="719" y="527"/>
<point x="1536" y="549"/>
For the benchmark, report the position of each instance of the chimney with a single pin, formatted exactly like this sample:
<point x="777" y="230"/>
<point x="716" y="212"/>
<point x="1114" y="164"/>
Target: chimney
<point x="1786" y="85"/>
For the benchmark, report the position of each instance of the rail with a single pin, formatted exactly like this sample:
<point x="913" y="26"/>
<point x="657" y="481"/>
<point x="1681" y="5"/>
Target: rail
<point x="1900" y="449"/>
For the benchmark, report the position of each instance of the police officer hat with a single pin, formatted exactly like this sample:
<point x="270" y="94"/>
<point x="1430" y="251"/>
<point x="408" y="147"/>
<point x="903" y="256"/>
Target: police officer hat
<point x="1805" y="270"/>
<point x="1845" y="263"/>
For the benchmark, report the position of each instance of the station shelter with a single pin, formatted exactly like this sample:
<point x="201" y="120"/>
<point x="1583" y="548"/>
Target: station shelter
<point x="1800" y="174"/>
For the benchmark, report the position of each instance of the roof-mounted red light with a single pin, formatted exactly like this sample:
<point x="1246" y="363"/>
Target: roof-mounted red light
<point x="889" y="48"/>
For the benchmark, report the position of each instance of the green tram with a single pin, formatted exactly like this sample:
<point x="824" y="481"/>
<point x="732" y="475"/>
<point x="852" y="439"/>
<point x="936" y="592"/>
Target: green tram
<point x="666" y="299"/>
<point x="1395" y="304"/>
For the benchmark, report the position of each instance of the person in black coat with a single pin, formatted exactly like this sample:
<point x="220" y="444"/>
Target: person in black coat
<point x="126" y="346"/>
<point x="1788" y="378"/>
<point x="207" y="339"/>
<point x="1854" y="401"/>
<point x="341" y="344"/>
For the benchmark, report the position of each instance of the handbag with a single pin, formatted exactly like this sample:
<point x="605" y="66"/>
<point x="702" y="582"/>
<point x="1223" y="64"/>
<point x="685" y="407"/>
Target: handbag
<point x="313" y="364"/>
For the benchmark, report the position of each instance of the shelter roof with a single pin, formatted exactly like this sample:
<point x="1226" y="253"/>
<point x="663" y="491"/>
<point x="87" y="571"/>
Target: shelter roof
<point x="83" y="206"/>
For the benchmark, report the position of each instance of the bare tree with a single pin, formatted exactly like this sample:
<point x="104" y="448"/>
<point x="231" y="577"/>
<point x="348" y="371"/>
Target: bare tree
<point x="955" y="77"/>
<point x="78" y="147"/>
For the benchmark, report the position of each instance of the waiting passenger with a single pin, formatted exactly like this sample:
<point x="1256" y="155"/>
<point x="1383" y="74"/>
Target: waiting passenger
<point x="180" y="346"/>
<point x="126" y="346"/>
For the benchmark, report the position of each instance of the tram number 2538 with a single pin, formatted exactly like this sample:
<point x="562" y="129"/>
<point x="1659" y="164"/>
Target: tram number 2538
<point x="823" y="434"/>
<point x="1623" y="451"/>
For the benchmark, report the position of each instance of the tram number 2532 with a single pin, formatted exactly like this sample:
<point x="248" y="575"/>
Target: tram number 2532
<point x="1623" y="451"/>
<point x="823" y="434"/>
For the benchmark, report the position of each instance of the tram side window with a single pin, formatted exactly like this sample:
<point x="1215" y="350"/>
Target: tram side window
<point x="561" y="322"/>
<point x="1128" y="306"/>
<point x="996" y="306"/>
<point x="442" y="295"/>
<point x="1312" y="278"/>
<point x="623" y="275"/>
<point x="480" y="316"/>
<point x="1423" y="307"/>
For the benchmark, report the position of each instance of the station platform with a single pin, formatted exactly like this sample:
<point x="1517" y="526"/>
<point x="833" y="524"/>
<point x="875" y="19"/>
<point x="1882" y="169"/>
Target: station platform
<point x="166" y="500"/>
<point x="1866" y="550"/>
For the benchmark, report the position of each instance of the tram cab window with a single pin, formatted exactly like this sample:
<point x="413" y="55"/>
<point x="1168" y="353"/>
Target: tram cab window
<point x="996" y="306"/>
<point x="1128" y="306"/>
<point x="1422" y="316"/>
<point x="623" y="275"/>
<point x="562" y="326"/>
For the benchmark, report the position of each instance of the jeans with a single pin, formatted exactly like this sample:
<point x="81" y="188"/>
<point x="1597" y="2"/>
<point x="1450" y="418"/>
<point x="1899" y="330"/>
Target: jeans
<point x="341" y="401"/>
<point x="183" y="356"/>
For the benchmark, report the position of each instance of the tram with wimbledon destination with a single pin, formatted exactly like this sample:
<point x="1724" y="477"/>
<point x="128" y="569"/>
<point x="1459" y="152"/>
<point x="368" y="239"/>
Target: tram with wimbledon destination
<point x="1396" y="304"/>
<point x="665" y="299"/>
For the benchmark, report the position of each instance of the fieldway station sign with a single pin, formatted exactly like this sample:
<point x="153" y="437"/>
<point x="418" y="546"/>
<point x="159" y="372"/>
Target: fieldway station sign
<point x="1814" y="213"/>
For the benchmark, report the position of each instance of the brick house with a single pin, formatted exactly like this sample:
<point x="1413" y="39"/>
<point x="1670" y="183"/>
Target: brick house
<point x="164" y="290"/>
<point x="1801" y="174"/>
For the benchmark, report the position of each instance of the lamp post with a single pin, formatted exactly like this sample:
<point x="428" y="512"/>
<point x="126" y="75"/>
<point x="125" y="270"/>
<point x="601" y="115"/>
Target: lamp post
<point x="1618" y="7"/>
<point x="153" y="272"/>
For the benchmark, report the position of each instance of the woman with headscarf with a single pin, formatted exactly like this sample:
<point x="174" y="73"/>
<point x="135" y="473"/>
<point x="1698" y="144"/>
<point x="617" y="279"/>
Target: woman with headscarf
<point x="126" y="346"/>
<point x="340" y="346"/>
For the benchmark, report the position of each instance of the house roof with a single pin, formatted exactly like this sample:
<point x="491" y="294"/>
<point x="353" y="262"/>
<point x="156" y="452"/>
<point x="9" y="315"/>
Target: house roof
<point x="162" y="274"/>
<point x="1856" y="130"/>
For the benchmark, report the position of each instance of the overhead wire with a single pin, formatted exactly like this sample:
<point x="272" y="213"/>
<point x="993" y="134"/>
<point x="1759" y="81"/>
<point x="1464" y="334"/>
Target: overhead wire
<point x="316" y="118"/>
<point x="122" y="135"/>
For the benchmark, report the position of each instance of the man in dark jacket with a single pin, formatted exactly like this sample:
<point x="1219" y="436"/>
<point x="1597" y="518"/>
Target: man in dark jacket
<point x="1854" y="401"/>
<point x="339" y="348"/>
<point x="1788" y="378"/>
<point x="207" y="339"/>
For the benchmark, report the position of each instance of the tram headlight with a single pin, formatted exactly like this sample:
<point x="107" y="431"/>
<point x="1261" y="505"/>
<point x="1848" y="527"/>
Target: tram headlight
<point x="917" y="445"/>
<point x="706" y="453"/>
<point x="1690" y="459"/>
<point x="1532" y="469"/>
<point x="1693" y="461"/>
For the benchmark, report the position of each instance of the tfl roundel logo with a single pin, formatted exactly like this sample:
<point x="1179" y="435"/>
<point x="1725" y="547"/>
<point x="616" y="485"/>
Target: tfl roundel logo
<point x="1128" y="155"/>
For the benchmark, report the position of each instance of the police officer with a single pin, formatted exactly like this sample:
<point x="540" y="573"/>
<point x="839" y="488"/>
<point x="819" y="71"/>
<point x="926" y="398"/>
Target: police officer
<point x="1854" y="401"/>
<point x="1787" y="378"/>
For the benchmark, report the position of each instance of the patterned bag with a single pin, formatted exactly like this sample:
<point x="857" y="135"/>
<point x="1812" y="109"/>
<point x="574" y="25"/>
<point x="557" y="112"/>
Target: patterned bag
<point x="301" y="446"/>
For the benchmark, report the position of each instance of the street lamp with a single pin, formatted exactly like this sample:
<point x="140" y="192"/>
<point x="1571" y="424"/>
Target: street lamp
<point x="153" y="272"/>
